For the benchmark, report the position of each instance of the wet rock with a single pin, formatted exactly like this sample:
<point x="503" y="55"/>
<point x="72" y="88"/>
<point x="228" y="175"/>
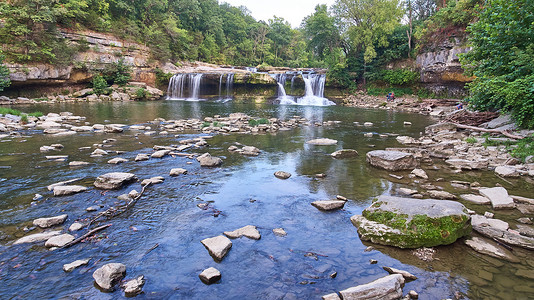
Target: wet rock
<point x="525" y="230"/>
<point x="117" y="160"/>
<point x="505" y="236"/>
<point x="99" y="152"/>
<point x="420" y="173"/>
<point x="76" y="226"/>
<point x="490" y="248"/>
<point x="412" y="223"/>
<point x="279" y="232"/>
<point x="441" y="195"/>
<point x="115" y="180"/>
<point x="405" y="274"/>
<point x="57" y="157"/>
<point x="333" y="296"/>
<point x="499" y="197"/>
<point x="322" y="142"/>
<point x="64" y="190"/>
<point x="134" y="286"/>
<point x="210" y="275"/>
<point x="177" y="172"/>
<point x="49" y="222"/>
<point x="282" y="174"/>
<point x="59" y="240"/>
<point x="406" y="140"/>
<point x="250" y="151"/>
<point x="113" y="129"/>
<point x="475" y="199"/>
<point x="206" y="160"/>
<point x="391" y="160"/>
<point x="37" y="237"/>
<point x="344" y="153"/>
<point x="160" y="153"/>
<point x="327" y="205"/>
<point x="75" y="264"/>
<point x="368" y="134"/>
<point x="109" y="275"/>
<point x="249" y="231"/>
<point x="78" y="163"/>
<point x="527" y="221"/>
<point x="413" y="294"/>
<point x="37" y="197"/>
<point x="342" y="198"/>
<point x="368" y="124"/>
<point x="505" y="171"/>
<point x="217" y="246"/>
<point x="468" y="164"/>
<point x="407" y="192"/>
<point x="386" y="288"/>
<point x="153" y="180"/>
<point x="142" y="157"/>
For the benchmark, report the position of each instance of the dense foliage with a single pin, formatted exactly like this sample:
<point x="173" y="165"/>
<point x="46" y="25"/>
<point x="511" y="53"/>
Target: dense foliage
<point x="4" y="74"/>
<point x="502" y="59"/>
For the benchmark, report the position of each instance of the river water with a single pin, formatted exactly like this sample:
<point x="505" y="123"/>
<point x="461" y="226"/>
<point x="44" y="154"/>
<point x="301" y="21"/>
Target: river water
<point x="245" y="192"/>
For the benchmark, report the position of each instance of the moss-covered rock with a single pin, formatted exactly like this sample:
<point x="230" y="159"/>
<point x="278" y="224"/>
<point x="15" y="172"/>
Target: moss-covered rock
<point x="413" y="223"/>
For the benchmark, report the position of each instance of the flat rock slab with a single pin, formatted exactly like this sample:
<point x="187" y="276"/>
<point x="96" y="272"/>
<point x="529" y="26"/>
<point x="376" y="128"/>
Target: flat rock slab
<point x="75" y="264"/>
<point x="109" y="275"/>
<point x="59" y="240"/>
<point x="490" y="248"/>
<point x="282" y="174"/>
<point x="52" y="186"/>
<point x="65" y="190"/>
<point x="344" y="153"/>
<point x="322" y="142"/>
<point x="37" y="237"/>
<point x="475" y="199"/>
<point x="49" y="222"/>
<point x="441" y="195"/>
<point x="160" y="153"/>
<point x="385" y="288"/>
<point x="115" y="180"/>
<point x="391" y="160"/>
<point x="407" y="275"/>
<point x="117" y="160"/>
<point x="210" y="275"/>
<point x="217" y="246"/>
<point x="153" y="180"/>
<point x="412" y="223"/>
<point x="206" y="160"/>
<point x="327" y="205"/>
<point x="249" y="231"/>
<point x="498" y="197"/>
<point x="78" y="163"/>
<point x="468" y="164"/>
<point x="506" y="171"/>
<point x="142" y="157"/>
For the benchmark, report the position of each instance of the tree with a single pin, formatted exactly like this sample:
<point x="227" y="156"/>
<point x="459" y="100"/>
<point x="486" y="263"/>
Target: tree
<point x="501" y="59"/>
<point x="280" y="34"/>
<point x="4" y="74"/>
<point x="368" y="22"/>
<point x="321" y="31"/>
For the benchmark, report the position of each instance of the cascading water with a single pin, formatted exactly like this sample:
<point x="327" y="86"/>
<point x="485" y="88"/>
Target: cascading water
<point x="229" y="87"/>
<point x="178" y="84"/>
<point x="282" y="96"/>
<point x="314" y="90"/>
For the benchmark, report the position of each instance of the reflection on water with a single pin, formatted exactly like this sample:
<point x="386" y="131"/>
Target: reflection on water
<point x="245" y="191"/>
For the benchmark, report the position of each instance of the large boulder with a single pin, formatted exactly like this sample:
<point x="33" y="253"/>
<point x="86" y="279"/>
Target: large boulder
<point x="412" y="223"/>
<point x="391" y="160"/>
<point x="217" y="246"/>
<point x="385" y="288"/>
<point x="206" y="160"/>
<point x="113" y="181"/>
<point x="109" y="275"/>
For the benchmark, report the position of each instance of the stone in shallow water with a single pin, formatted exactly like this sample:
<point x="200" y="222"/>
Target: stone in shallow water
<point x="385" y="288"/>
<point x="420" y="173"/>
<point x="115" y="180"/>
<point x="59" y="240"/>
<point x="344" y="153"/>
<point x="206" y="160"/>
<point x="475" y="199"/>
<point x="109" y="275"/>
<point x="160" y="153"/>
<point x="65" y="190"/>
<point x="322" y="142"/>
<point x="490" y="248"/>
<point x="37" y="237"/>
<point x="177" y="172"/>
<point x="78" y="163"/>
<point x="441" y="195"/>
<point x="76" y="226"/>
<point x="142" y="157"/>
<point x="391" y="160"/>
<point x="499" y="197"/>
<point x="117" y="160"/>
<point x="134" y="286"/>
<point x="153" y="180"/>
<point x="407" y="275"/>
<point x="282" y="174"/>
<point x="249" y="231"/>
<point x="217" y="246"/>
<point x="210" y="275"/>
<point x="327" y="205"/>
<point x="75" y="264"/>
<point x="49" y="222"/>
<point x="279" y="232"/>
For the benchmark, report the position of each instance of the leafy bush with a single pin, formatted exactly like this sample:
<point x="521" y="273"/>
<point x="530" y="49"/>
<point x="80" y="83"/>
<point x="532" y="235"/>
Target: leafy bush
<point x="383" y="91"/>
<point x="118" y="73"/>
<point x="141" y="93"/>
<point x="162" y="78"/>
<point x="100" y="85"/>
<point x="471" y="140"/>
<point x="255" y="123"/>
<point x="524" y="148"/>
<point x="4" y="74"/>
<point x="399" y="76"/>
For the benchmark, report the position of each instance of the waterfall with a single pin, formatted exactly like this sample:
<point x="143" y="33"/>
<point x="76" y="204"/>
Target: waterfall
<point x="229" y="85"/>
<point x="281" y="80"/>
<point x="314" y="91"/>
<point x="251" y="69"/>
<point x="178" y="84"/>
<point x="220" y="85"/>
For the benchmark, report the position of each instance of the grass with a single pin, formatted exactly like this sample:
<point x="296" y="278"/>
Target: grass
<point x="523" y="148"/>
<point x="471" y="140"/>
<point x="23" y="116"/>
<point x="255" y="123"/>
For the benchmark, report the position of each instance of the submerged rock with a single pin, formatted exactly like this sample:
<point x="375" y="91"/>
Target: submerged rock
<point x="37" y="237"/>
<point x="75" y="264"/>
<point x="217" y="246"/>
<point x="327" y="205"/>
<point x="344" y="153"/>
<point x="282" y="174"/>
<point x="49" y="222"/>
<point x="249" y="231"/>
<point x="405" y="274"/>
<point x="322" y="142"/>
<point x="109" y="275"/>
<point x="412" y="223"/>
<point x="206" y="160"/>
<point x="391" y="160"/>
<point x="115" y="180"/>
<point x="385" y="288"/>
<point x="210" y="275"/>
<point x="490" y="248"/>
<point x="279" y="232"/>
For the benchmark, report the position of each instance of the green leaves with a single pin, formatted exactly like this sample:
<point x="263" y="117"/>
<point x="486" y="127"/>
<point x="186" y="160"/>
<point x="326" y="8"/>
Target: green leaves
<point x="5" y="81"/>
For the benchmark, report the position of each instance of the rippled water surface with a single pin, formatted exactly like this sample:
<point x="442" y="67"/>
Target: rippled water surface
<point x="245" y="192"/>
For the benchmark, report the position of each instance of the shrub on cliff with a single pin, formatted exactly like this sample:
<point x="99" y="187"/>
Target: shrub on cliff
<point x="100" y="86"/>
<point x="4" y="74"/>
<point x="118" y="73"/>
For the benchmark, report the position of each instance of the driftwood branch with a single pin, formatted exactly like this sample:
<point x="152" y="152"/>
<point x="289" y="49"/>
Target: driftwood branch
<point x="88" y="234"/>
<point x="503" y="132"/>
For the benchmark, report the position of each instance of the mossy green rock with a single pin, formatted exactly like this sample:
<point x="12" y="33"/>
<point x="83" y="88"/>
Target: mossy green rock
<point x="412" y="223"/>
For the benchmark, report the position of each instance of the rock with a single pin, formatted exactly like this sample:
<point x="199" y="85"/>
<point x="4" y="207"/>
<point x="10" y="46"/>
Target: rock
<point x="527" y="221"/>
<point x="368" y="124"/>
<point x="59" y="240"/>
<point x="249" y="231"/>
<point x="420" y="173"/>
<point x="37" y="197"/>
<point x="117" y="160"/>
<point x="344" y="153"/>
<point x="76" y="226"/>
<point x="342" y="198"/>
<point x="113" y="129"/>
<point x="142" y="157"/>
<point x="64" y="190"/>
<point x="206" y="160"/>
<point x="413" y="294"/>
<point x="160" y="153"/>
<point x="468" y="164"/>
<point x="282" y="174"/>
<point x="333" y="296"/>
<point x="407" y="192"/>
<point x="78" y="163"/>
<point x="109" y="275"/>
<point x="49" y="222"/>
<point x="412" y="223"/>
<point x="250" y="151"/>
<point x="525" y="230"/>
<point x="368" y="134"/>
<point x="153" y="180"/>
<point x="99" y="152"/>
<point x="405" y="140"/>
<point x="279" y="232"/>
<point x="499" y="197"/>
<point x="504" y="236"/>
<point x="113" y="181"/>
<point x="442" y="195"/>
<point x="391" y="160"/>
<point x="217" y="246"/>
<point x="177" y="172"/>
<point x="57" y="157"/>
<point x="505" y="171"/>
<point x="475" y="199"/>
<point x="405" y="274"/>
<point x="37" y="237"/>
<point x="406" y="123"/>
<point x="385" y="288"/>
<point x="489" y="215"/>
<point x="490" y="248"/>
<point x="210" y="275"/>
<point x="134" y="286"/>
<point x="75" y="264"/>
<point x="498" y="122"/>
<point x="322" y="142"/>
<point x="327" y="205"/>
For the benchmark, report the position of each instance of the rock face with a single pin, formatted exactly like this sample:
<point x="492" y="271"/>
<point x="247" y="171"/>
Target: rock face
<point x="65" y="190"/>
<point x="249" y="231"/>
<point x="327" y="205"/>
<point x="344" y="153"/>
<point x="113" y="181"/>
<point x="49" y="222"/>
<point x="109" y="275"/>
<point x="217" y="246"/>
<point x="210" y="275"/>
<point x="391" y="160"/>
<point x="322" y="142"/>
<point x="282" y="174"/>
<point x="412" y="223"/>
<point x="206" y="160"/>
<point x="499" y="197"/>
<point x="385" y="288"/>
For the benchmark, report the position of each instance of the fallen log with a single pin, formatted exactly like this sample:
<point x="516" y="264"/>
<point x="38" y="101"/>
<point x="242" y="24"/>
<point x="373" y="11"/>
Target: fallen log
<point x="503" y="132"/>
